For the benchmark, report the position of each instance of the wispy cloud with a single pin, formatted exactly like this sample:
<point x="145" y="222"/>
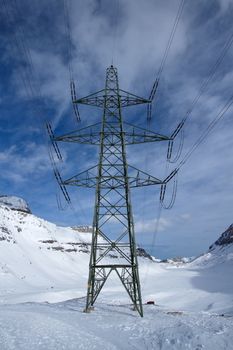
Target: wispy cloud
<point x="205" y="182"/>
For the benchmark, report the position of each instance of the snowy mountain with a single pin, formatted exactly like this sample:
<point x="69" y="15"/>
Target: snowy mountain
<point x="220" y="253"/>
<point x="43" y="276"/>
<point x="225" y="239"/>
<point x="37" y="253"/>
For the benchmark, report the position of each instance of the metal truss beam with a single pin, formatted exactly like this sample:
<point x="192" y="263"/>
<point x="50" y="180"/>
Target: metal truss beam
<point x="110" y="96"/>
<point x="89" y="178"/>
<point x="92" y="135"/>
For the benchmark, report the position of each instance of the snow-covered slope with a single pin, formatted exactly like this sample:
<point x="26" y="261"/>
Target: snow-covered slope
<point x="36" y="254"/>
<point x="226" y="238"/>
<point x="46" y="266"/>
<point x="220" y="253"/>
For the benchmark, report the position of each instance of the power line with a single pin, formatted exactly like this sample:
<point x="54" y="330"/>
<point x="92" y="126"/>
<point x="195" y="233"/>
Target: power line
<point x="207" y="131"/>
<point x="203" y="88"/>
<point x="196" y="144"/>
<point x="210" y="76"/>
<point x="152" y="245"/>
<point x="20" y="47"/>
<point x="114" y="42"/>
<point x="210" y="127"/>
<point x="171" y="37"/>
<point x="149" y="112"/>
<point x="70" y="60"/>
<point x="69" y="39"/>
<point x="164" y="58"/>
<point x="201" y="139"/>
<point x="29" y="78"/>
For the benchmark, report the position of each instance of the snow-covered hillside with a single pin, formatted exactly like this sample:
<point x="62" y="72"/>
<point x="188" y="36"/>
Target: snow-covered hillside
<point x="38" y="254"/>
<point x="226" y="238"/>
<point x="43" y="276"/>
<point x="220" y="253"/>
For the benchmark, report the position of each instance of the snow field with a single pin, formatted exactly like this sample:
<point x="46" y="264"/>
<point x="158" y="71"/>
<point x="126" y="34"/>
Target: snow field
<point x="43" y="280"/>
<point x="65" y="326"/>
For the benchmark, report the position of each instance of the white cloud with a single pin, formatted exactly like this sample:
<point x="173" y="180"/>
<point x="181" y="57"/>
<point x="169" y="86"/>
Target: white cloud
<point x="205" y="182"/>
<point x="31" y="160"/>
<point x="152" y="226"/>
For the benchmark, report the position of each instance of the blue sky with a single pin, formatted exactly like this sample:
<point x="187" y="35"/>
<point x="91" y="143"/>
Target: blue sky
<point x="34" y="31"/>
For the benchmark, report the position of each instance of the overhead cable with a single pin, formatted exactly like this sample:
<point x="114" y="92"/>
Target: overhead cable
<point x="171" y="37"/>
<point x="210" y="76"/>
<point x="164" y="58"/>
<point x="70" y="61"/>
<point x="207" y="131"/>
<point x="203" y="88"/>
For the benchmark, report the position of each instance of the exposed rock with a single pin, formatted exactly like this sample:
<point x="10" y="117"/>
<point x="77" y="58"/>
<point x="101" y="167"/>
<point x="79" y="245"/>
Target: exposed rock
<point x="225" y="238"/>
<point x="142" y="252"/>
<point x="15" y="203"/>
<point x="5" y="234"/>
<point x="49" y="241"/>
<point x="82" y="228"/>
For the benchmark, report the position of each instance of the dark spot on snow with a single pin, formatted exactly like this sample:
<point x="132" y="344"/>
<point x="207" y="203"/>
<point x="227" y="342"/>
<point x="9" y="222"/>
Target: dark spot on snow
<point x="49" y="241"/>
<point x="59" y="248"/>
<point x="71" y="250"/>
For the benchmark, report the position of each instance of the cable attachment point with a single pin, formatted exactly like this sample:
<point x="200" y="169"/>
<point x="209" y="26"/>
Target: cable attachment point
<point x="179" y="129"/>
<point x="174" y="190"/>
<point x="74" y="101"/>
<point x="59" y="179"/>
<point x="151" y="97"/>
<point x="154" y="89"/>
<point x="179" y="150"/>
<point x="149" y="111"/>
<point x="53" y="142"/>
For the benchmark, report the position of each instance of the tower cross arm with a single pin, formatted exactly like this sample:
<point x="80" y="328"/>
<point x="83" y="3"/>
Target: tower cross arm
<point x="136" y="178"/>
<point x="129" y="99"/>
<point x="88" y="135"/>
<point x="110" y="97"/>
<point x="139" y="178"/>
<point x="94" y="99"/>
<point x="86" y="178"/>
<point x="92" y="135"/>
<point x="136" y="135"/>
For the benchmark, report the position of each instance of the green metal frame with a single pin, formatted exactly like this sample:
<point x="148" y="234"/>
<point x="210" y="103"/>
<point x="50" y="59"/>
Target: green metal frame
<point x="113" y="225"/>
<point x="113" y="202"/>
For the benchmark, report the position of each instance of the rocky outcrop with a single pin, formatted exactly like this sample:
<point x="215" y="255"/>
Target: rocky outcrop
<point x="143" y="253"/>
<point x="225" y="238"/>
<point x="15" y="203"/>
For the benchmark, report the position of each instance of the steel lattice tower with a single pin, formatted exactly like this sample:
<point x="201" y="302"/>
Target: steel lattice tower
<point x="112" y="177"/>
<point x="113" y="201"/>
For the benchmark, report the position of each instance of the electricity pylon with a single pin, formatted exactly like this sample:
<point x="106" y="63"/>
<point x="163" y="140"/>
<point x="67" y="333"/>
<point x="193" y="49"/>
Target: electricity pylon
<point x="112" y="177"/>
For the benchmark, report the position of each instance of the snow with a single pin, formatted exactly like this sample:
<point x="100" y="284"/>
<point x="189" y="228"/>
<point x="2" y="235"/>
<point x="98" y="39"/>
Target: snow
<point x="43" y="277"/>
<point x="65" y="326"/>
